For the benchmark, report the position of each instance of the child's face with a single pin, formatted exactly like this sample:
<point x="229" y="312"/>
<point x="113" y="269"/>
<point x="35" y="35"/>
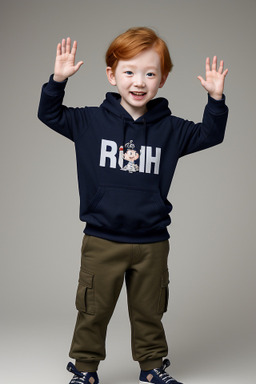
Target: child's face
<point x="131" y="155"/>
<point x="137" y="80"/>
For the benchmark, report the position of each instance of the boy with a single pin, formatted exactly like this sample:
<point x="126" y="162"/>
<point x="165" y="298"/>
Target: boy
<point x="127" y="213"/>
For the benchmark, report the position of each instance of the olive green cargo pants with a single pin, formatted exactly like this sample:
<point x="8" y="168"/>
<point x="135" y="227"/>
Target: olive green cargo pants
<point x="104" y="266"/>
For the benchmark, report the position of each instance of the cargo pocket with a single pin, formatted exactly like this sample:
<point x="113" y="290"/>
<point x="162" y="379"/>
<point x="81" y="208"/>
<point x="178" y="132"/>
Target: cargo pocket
<point x="85" y="301"/>
<point x="164" y="293"/>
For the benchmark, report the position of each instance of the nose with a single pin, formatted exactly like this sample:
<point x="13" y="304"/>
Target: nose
<point x="139" y="82"/>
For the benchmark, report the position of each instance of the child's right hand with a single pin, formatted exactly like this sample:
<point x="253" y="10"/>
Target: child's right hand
<point x="65" y="60"/>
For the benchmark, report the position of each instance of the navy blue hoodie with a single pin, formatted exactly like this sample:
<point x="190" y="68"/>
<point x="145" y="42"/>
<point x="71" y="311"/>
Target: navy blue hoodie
<point x="125" y="166"/>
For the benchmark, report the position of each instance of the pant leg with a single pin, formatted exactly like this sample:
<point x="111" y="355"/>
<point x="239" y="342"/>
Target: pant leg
<point x="103" y="265"/>
<point x="147" y="289"/>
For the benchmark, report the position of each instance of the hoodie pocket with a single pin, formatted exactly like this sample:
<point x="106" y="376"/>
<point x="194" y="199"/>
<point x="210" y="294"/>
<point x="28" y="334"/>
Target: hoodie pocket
<point x="128" y="209"/>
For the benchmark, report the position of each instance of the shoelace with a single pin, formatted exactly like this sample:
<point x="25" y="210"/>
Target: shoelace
<point x="78" y="379"/>
<point x="164" y="375"/>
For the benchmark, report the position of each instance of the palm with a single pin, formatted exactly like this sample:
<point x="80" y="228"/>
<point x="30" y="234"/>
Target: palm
<point x="214" y="82"/>
<point x="214" y="79"/>
<point x="65" y="60"/>
<point x="65" y="64"/>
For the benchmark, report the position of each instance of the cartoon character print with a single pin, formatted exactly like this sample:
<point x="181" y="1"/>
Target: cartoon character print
<point x="130" y="155"/>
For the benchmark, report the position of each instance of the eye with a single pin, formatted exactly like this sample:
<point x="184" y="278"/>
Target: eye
<point x="129" y="73"/>
<point x="150" y="74"/>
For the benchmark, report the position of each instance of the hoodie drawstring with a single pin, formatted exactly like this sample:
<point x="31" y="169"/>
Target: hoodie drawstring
<point x="145" y="132"/>
<point x="124" y="130"/>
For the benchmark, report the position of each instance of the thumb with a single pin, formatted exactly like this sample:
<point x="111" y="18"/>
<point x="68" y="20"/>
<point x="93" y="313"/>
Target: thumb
<point x="203" y="83"/>
<point x="201" y="80"/>
<point x="78" y="65"/>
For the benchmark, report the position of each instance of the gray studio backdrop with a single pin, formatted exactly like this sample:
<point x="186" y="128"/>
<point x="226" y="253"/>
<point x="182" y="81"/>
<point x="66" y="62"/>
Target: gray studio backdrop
<point x="210" y="324"/>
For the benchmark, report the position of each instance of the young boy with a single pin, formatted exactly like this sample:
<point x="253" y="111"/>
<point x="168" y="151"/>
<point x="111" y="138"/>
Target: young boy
<point x="127" y="212"/>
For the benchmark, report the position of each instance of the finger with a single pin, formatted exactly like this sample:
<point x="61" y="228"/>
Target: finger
<point x="63" y="46"/>
<point x="78" y="65"/>
<point x="225" y="72"/>
<point x="214" y="63"/>
<point x="201" y="80"/>
<point x="220" y="70"/>
<point x="207" y="64"/>
<point x="74" y="48"/>
<point x="68" y="46"/>
<point x="58" y="52"/>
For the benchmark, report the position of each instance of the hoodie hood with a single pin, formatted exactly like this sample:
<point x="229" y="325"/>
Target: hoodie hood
<point x="156" y="108"/>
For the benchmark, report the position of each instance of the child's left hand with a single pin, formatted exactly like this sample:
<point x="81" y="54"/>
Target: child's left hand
<point x="214" y="79"/>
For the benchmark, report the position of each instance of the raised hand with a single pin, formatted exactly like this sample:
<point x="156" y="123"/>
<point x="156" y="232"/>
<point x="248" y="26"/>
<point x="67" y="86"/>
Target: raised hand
<point x="214" y="79"/>
<point x="65" y="60"/>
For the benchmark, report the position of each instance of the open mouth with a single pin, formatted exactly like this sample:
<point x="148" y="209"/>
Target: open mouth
<point x="138" y="93"/>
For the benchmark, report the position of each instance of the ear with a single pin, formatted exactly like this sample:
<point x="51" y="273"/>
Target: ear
<point x="111" y="76"/>
<point x="164" y="78"/>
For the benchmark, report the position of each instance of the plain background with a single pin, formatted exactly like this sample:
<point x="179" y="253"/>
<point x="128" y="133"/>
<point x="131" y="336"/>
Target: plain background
<point x="211" y="320"/>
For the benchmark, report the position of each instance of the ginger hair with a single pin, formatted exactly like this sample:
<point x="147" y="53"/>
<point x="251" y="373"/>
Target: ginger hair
<point x="134" y="41"/>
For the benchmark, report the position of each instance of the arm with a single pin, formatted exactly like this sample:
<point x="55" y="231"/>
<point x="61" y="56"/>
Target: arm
<point x="51" y="111"/>
<point x="210" y="132"/>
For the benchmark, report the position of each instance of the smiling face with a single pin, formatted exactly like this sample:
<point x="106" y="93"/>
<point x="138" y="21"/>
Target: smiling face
<point x="137" y="81"/>
<point x="131" y="155"/>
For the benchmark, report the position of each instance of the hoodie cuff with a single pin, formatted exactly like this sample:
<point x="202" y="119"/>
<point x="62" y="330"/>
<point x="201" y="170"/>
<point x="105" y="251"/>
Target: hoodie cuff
<point x="217" y="106"/>
<point x="55" y="87"/>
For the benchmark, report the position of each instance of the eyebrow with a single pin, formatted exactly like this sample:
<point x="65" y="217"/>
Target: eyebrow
<point x="135" y="66"/>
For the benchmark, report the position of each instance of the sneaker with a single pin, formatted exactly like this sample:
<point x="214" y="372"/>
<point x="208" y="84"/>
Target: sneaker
<point x="82" y="377"/>
<point x="158" y="375"/>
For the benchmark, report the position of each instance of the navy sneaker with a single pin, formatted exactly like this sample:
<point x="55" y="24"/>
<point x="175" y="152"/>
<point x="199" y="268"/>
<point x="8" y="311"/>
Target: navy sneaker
<point x="158" y="375"/>
<point x="82" y="377"/>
